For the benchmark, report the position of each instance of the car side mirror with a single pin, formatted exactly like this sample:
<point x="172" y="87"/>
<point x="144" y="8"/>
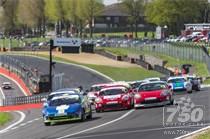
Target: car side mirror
<point x="169" y="87"/>
<point x="87" y="91"/>
<point x="85" y="94"/>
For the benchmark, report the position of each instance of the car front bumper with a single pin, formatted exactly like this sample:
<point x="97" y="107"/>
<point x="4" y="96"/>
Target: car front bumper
<point x="64" y="118"/>
<point x="152" y="104"/>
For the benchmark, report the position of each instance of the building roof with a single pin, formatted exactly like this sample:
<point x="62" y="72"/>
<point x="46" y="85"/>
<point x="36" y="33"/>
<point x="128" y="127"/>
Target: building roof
<point x="114" y="10"/>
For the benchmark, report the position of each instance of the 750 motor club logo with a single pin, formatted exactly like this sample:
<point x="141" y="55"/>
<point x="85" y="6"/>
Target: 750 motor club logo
<point x="183" y="113"/>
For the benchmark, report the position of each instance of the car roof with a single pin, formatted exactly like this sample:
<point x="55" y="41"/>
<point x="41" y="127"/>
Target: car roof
<point x="153" y="82"/>
<point x="98" y="85"/>
<point x="115" y="87"/>
<point x="176" y="77"/>
<point x="153" y="78"/>
<point x="64" y="96"/>
<point x="6" y="83"/>
<point x="65" y="91"/>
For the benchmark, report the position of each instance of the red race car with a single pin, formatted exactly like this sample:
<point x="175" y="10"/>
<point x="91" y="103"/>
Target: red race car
<point x="114" y="98"/>
<point x="150" y="94"/>
<point x="95" y="89"/>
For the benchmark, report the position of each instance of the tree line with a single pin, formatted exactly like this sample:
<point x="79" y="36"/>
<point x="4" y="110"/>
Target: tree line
<point x="37" y="16"/>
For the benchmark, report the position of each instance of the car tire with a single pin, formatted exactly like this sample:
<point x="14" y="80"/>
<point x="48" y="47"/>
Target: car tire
<point x="198" y="88"/>
<point x="171" y="101"/>
<point x="82" y="116"/>
<point x="98" y="111"/>
<point x="47" y="123"/>
<point x="90" y="116"/>
<point x="189" y="92"/>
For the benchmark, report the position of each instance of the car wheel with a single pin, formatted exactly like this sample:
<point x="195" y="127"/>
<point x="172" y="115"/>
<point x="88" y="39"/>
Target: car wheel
<point x="198" y="88"/>
<point x="171" y="101"/>
<point x="98" y="111"/>
<point x="189" y="92"/>
<point x="82" y="116"/>
<point x="90" y="116"/>
<point x="47" y="123"/>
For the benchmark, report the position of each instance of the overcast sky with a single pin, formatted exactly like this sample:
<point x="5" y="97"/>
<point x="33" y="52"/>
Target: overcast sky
<point x="108" y="2"/>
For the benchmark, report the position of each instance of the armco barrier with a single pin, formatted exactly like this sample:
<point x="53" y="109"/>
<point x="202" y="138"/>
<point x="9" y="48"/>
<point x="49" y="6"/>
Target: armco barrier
<point x="163" y="70"/>
<point x="108" y="55"/>
<point x="23" y="100"/>
<point x="15" y="77"/>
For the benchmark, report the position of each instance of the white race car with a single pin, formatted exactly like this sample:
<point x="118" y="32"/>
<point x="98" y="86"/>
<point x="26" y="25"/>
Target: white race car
<point x="179" y="83"/>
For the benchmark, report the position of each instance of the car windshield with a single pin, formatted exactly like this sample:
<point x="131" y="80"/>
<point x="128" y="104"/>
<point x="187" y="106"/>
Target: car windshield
<point x="60" y="100"/>
<point x="191" y="78"/>
<point x="136" y="85"/>
<point x="112" y="92"/>
<point x="95" y="88"/>
<point x="152" y="87"/>
<point x="176" y="80"/>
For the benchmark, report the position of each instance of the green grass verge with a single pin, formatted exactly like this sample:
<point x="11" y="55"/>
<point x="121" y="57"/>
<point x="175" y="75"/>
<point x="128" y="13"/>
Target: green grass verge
<point x="121" y="34"/>
<point x="200" y="68"/>
<point x="207" y="81"/>
<point x="205" y="135"/>
<point x="116" y="73"/>
<point x="4" y="118"/>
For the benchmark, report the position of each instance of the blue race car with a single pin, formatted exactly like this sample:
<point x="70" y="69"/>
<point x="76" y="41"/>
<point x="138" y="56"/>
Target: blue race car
<point x="179" y="83"/>
<point x="66" y="107"/>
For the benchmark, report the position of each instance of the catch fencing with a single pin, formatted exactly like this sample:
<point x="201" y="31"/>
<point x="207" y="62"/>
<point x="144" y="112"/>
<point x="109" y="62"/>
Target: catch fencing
<point x="181" y="51"/>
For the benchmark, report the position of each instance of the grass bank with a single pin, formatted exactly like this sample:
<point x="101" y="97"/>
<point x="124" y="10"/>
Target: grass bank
<point x="116" y="73"/>
<point x="4" y="118"/>
<point x="205" y="135"/>
<point x="200" y="68"/>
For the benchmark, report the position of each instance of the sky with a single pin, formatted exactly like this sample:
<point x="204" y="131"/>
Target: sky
<point x="108" y="2"/>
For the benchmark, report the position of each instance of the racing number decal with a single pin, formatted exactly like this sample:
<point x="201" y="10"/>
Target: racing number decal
<point x="61" y="109"/>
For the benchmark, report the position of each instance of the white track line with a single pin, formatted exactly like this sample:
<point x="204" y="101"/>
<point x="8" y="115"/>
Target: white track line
<point x="15" y="83"/>
<point x="2" y="96"/>
<point x="193" y="133"/>
<point x="96" y="127"/>
<point x="14" y="124"/>
<point x="2" y="93"/>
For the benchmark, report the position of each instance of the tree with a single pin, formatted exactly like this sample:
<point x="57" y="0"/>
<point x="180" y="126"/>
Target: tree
<point x="135" y="9"/>
<point x="30" y="14"/>
<point x="8" y="16"/>
<point x="175" y="13"/>
<point x="89" y="10"/>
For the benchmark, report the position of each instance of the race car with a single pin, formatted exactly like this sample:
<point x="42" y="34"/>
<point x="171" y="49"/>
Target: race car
<point x="95" y="89"/>
<point x="155" y="93"/>
<point x="93" y="92"/>
<point x="6" y="85"/>
<point x="179" y="83"/>
<point x="136" y="84"/>
<point x="66" y="107"/>
<point x="152" y="79"/>
<point x="114" y="98"/>
<point x="61" y="92"/>
<point x="196" y="82"/>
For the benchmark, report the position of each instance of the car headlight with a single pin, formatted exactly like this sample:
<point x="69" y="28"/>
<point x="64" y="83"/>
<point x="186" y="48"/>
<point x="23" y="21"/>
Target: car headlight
<point x="188" y="85"/>
<point x="125" y="97"/>
<point x="164" y="93"/>
<point x="98" y="100"/>
<point x="137" y="96"/>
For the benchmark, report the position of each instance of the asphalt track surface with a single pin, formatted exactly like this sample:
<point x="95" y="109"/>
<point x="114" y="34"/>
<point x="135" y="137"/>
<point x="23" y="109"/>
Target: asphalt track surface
<point x="140" y="123"/>
<point x="73" y="76"/>
<point x="13" y="92"/>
